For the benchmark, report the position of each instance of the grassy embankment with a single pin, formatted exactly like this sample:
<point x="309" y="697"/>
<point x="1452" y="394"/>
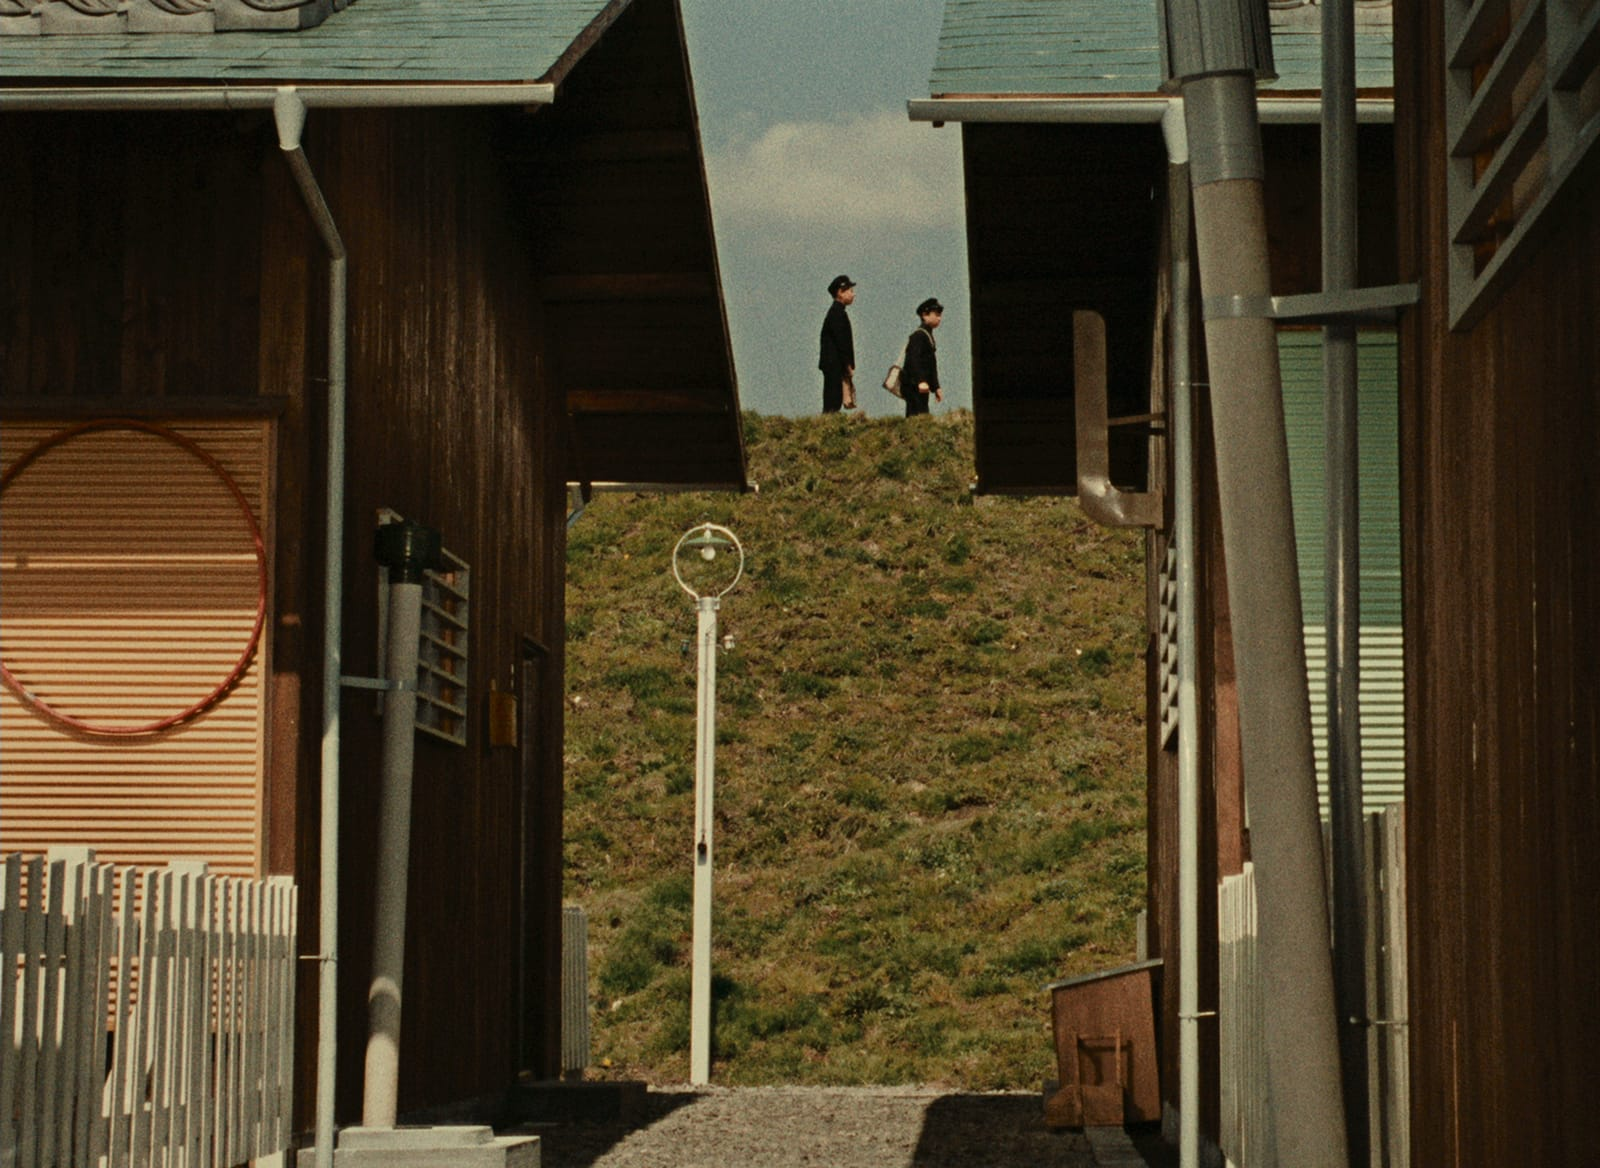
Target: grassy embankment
<point x="930" y="764"/>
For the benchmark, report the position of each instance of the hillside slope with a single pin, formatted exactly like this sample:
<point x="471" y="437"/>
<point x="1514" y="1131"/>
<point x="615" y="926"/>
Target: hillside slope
<point x="930" y="764"/>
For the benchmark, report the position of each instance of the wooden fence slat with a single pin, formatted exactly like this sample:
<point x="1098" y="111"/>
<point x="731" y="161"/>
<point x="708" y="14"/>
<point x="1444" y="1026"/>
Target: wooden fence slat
<point x="161" y="1019"/>
<point x="255" y="1013"/>
<point x="119" y="1092"/>
<point x="227" y="1087"/>
<point x="139" y="1068"/>
<point x="33" y="944"/>
<point x="11" y="933"/>
<point x="68" y="1013"/>
<point x="53" y="970"/>
<point x="92" y="1125"/>
<point x="282" y="1008"/>
<point x="181" y="1010"/>
<point x="209" y="928"/>
<point x="196" y="1022"/>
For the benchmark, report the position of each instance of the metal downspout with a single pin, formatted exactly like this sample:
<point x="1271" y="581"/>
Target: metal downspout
<point x="1183" y="535"/>
<point x="289" y="111"/>
<point x="1343" y="566"/>
<point x="1252" y="461"/>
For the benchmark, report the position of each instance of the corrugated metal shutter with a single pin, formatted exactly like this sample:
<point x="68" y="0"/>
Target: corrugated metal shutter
<point x="128" y="591"/>
<point x="1382" y="637"/>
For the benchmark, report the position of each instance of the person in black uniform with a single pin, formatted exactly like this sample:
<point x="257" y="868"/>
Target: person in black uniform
<point x="838" y="357"/>
<point x="920" y="377"/>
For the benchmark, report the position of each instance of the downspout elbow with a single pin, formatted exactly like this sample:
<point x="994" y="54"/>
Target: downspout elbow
<point x="1175" y="133"/>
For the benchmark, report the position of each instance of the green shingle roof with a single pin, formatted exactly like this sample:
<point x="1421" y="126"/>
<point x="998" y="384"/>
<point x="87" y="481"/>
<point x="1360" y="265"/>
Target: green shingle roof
<point x="1098" y="47"/>
<point x="372" y="41"/>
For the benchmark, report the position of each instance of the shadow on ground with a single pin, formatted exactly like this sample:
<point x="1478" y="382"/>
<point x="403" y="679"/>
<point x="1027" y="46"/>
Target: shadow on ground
<point x="582" y="1143"/>
<point x="959" y="1131"/>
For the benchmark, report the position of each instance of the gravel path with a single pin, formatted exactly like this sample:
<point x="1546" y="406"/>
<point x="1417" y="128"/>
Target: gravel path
<point x="819" y="1127"/>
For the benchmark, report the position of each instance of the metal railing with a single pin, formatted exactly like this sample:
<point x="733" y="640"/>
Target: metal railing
<point x="1246" y="1134"/>
<point x="146" y="1017"/>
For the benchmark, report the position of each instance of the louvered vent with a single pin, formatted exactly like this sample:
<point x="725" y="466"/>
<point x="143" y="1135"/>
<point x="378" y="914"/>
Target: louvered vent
<point x="129" y="586"/>
<point x="1167" y="645"/>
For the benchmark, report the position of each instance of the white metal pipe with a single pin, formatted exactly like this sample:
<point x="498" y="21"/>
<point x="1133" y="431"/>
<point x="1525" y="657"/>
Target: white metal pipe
<point x="1184" y="535"/>
<point x="1119" y="110"/>
<point x="380" y="1092"/>
<point x="290" y="114"/>
<point x="244" y="97"/>
<point x="704" y="820"/>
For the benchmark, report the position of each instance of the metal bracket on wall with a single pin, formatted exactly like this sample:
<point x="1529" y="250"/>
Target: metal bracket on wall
<point x="1101" y="501"/>
<point x="382" y="683"/>
<point x="1356" y="306"/>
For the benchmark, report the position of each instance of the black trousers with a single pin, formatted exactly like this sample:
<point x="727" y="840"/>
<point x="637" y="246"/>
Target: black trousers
<point x="832" y="392"/>
<point x="916" y="400"/>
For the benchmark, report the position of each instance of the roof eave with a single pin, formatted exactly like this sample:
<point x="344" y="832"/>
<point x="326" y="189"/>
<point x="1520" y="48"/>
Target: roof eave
<point x="1274" y="109"/>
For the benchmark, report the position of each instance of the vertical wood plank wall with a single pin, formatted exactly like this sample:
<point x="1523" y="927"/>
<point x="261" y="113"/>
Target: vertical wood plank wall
<point x="1500" y="491"/>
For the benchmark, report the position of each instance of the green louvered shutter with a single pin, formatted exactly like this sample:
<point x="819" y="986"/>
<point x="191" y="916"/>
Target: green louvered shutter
<point x="1382" y="644"/>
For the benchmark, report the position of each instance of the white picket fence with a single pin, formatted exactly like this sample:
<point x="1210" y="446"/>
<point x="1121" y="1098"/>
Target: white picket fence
<point x="146" y="1017"/>
<point x="1246" y="1135"/>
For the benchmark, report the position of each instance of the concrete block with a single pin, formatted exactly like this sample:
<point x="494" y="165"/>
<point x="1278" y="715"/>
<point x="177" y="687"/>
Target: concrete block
<point x="428" y="1147"/>
<point x="57" y="17"/>
<point x="148" y="16"/>
<point x="241" y="15"/>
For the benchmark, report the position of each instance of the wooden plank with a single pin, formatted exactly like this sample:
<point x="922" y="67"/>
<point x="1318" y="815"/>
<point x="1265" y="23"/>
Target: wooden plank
<point x="161" y="1016"/>
<point x="119" y="1137"/>
<point x="53" y="972"/>
<point x="95" y="1129"/>
<point x="182" y="1010"/>
<point x="252" y="1097"/>
<point x="72" y="893"/>
<point x="290" y="965"/>
<point x="12" y="917"/>
<point x="139" y="1118"/>
<point x="205" y="1065"/>
<point x="33" y="947"/>
<point x="229" y="1028"/>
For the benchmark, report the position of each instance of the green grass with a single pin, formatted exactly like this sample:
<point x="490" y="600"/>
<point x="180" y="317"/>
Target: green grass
<point x="930" y="764"/>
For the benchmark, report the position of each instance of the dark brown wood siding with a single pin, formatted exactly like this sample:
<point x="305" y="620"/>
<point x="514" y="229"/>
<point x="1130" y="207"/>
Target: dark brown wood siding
<point x="618" y="204"/>
<point x="1059" y="217"/>
<point x="1500" y="491"/>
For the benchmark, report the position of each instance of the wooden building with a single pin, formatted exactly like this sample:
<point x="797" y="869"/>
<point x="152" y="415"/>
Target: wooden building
<point x="1068" y="208"/>
<point x="533" y="300"/>
<point x="1497" y="115"/>
<point x="1483" y="195"/>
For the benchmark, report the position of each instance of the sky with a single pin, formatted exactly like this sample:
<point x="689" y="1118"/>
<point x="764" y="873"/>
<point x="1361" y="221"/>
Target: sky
<point x="816" y="171"/>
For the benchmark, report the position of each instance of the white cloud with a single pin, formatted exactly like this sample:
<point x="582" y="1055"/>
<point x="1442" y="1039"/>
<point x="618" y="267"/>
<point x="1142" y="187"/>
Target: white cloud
<point x="877" y="171"/>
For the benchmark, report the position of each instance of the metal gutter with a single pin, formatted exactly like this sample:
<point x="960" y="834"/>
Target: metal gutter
<point x="289" y="112"/>
<point x="245" y="97"/>
<point x="1121" y="110"/>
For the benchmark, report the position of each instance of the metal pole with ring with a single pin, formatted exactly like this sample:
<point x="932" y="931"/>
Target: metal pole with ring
<point x="696" y="567"/>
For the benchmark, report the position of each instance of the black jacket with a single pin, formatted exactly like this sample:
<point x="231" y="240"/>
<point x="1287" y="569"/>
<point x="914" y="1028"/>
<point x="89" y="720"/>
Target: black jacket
<point x="838" y="342"/>
<point x="922" y="363"/>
